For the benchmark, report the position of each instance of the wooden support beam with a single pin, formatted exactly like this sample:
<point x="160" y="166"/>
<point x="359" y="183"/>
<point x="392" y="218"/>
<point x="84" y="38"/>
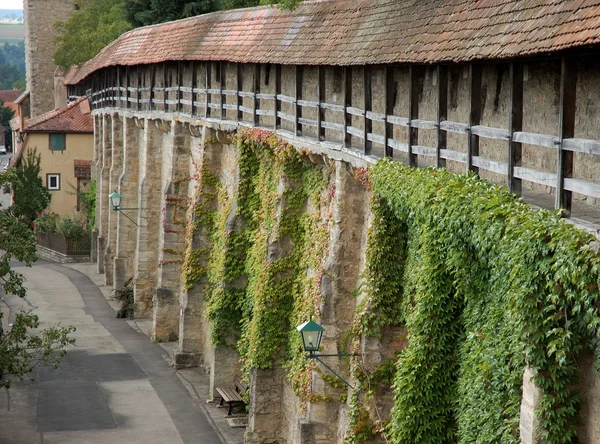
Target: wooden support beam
<point x="390" y="101"/>
<point x="194" y="96"/>
<point x="179" y="85"/>
<point x="207" y="86"/>
<point x="320" y="100"/>
<point x="298" y="116"/>
<point x="256" y="90"/>
<point x="239" y="85"/>
<point x="152" y="81"/>
<point x="277" y="103"/>
<point x="368" y="106"/>
<point x="515" y="124"/>
<point x="117" y="101"/>
<point x="442" y="113"/>
<point x="347" y="85"/>
<point x="222" y="80"/>
<point x="414" y="74"/>
<point x="139" y="81"/>
<point x="127" y="86"/>
<point x="568" y="86"/>
<point x="165" y="86"/>
<point x="474" y="114"/>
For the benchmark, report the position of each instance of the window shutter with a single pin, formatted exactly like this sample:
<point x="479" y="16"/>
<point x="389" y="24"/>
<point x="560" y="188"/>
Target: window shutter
<point x="57" y="142"/>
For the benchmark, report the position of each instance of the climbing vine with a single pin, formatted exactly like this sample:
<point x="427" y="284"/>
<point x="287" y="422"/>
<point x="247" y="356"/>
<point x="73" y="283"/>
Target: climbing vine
<point x="485" y="288"/>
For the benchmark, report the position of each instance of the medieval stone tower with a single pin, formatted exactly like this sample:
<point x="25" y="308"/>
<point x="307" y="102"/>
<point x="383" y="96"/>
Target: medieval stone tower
<point x="40" y="16"/>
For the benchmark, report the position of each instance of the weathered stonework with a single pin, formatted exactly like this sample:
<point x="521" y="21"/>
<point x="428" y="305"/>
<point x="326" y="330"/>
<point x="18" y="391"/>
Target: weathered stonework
<point x="40" y="16"/>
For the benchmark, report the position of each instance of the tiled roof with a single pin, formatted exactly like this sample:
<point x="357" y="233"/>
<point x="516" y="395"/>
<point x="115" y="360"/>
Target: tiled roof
<point x="22" y="97"/>
<point x="359" y="32"/>
<point x="75" y="118"/>
<point x="82" y="169"/>
<point x="9" y="95"/>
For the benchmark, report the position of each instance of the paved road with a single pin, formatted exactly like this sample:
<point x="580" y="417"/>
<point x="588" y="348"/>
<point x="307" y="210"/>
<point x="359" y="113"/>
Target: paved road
<point x="114" y="386"/>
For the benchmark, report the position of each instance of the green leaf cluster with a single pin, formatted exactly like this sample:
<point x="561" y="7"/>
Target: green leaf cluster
<point x="485" y="288"/>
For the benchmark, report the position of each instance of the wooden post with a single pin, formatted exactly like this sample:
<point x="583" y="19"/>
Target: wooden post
<point x="239" y="85"/>
<point x="390" y="96"/>
<point x="139" y="81"/>
<point x="152" y="80"/>
<point x="277" y="106"/>
<point x="320" y="100"/>
<point x="515" y="124"/>
<point x="474" y="113"/>
<point x="194" y="96"/>
<point x="413" y="112"/>
<point x="442" y="114"/>
<point x="207" y="84"/>
<point x="256" y="90"/>
<point x="347" y="80"/>
<point x="568" y="86"/>
<point x="165" y="84"/>
<point x="127" y="86"/>
<point x="299" y="73"/>
<point x="179" y="84"/>
<point x="368" y="104"/>
<point x="222" y="77"/>
<point x="117" y="102"/>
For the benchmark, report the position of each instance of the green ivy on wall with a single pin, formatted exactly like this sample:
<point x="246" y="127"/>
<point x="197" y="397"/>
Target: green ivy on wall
<point x="487" y="288"/>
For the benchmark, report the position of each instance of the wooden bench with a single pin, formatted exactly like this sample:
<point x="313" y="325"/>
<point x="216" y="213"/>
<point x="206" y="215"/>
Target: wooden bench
<point x="233" y="396"/>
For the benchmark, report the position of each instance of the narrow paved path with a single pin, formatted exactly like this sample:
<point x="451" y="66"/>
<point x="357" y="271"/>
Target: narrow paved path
<point x="114" y="386"/>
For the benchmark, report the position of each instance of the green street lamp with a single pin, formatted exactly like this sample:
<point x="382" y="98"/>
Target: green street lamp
<point x="312" y="334"/>
<point x="115" y="200"/>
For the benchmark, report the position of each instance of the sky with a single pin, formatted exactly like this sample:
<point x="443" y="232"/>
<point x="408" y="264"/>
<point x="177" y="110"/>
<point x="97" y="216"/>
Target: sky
<point x="11" y="4"/>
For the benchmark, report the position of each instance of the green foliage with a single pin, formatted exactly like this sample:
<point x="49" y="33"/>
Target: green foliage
<point x="88" y="204"/>
<point x="125" y="296"/>
<point x="30" y="195"/>
<point x="12" y="67"/>
<point x="255" y="298"/>
<point x="6" y="114"/>
<point x="73" y="227"/>
<point x="24" y="346"/>
<point x="88" y="30"/>
<point x="488" y="288"/>
<point x="150" y="12"/>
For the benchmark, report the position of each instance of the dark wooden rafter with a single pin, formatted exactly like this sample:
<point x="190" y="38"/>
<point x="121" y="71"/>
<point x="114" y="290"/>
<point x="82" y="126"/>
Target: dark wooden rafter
<point x="320" y="100"/>
<point x="298" y="86"/>
<point x="568" y="86"/>
<point x="368" y="105"/>
<point x="442" y="113"/>
<point x="389" y="94"/>
<point x="474" y="114"/>
<point x="179" y="85"/>
<point x="194" y="96"/>
<point x="347" y="86"/>
<point x="127" y="86"/>
<point x="515" y="123"/>
<point x="256" y="91"/>
<point x="165" y="86"/>
<point x="152" y="82"/>
<point x="222" y="97"/>
<point x="207" y="86"/>
<point x="414" y="74"/>
<point x="138" y="87"/>
<point x="277" y="102"/>
<point x="239" y="98"/>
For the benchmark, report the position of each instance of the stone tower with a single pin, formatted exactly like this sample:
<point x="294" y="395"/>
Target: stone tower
<point x="40" y="16"/>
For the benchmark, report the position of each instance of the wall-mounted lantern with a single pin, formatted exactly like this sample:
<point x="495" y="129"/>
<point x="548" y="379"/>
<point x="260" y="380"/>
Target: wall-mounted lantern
<point x="115" y="200"/>
<point x="312" y="334"/>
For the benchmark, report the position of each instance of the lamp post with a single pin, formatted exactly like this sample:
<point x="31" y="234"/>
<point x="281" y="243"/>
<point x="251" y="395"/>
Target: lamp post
<point x="115" y="200"/>
<point x="312" y="334"/>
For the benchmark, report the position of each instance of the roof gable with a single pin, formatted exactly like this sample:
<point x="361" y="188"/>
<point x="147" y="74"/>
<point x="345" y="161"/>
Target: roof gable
<point x="75" y="118"/>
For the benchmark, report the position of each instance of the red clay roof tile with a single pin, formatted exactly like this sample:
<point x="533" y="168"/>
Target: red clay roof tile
<point x="359" y="32"/>
<point x="75" y="118"/>
<point x="9" y="95"/>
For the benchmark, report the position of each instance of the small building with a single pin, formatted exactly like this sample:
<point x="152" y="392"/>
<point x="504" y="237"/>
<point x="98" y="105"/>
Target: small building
<point x="64" y="139"/>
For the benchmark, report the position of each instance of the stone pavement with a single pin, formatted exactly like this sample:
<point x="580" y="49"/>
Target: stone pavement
<point x="195" y="380"/>
<point x="114" y="386"/>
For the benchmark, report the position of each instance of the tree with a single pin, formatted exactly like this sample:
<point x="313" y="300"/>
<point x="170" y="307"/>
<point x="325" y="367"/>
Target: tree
<point x="89" y="29"/>
<point x="6" y="114"/>
<point x="30" y="195"/>
<point x="23" y="347"/>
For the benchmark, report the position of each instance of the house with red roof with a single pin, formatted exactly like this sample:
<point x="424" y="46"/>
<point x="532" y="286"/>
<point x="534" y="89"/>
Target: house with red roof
<point x="64" y="139"/>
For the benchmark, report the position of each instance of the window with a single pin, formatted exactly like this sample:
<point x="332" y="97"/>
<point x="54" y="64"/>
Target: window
<point x="58" y="142"/>
<point x="53" y="181"/>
